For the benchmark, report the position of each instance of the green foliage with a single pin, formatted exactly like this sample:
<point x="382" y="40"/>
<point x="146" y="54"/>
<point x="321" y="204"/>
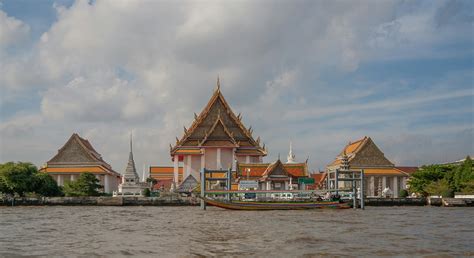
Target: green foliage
<point x="426" y="175"/>
<point x="146" y="192"/>
<point x="86" y="185"/>
<point x="23" y="177"/>
<point x="17" y="177"/>
<point x="458" y="178"/>
<point x="440" y="188"/>
<point x="403" y="193"/>
<point x="45" y="185"/>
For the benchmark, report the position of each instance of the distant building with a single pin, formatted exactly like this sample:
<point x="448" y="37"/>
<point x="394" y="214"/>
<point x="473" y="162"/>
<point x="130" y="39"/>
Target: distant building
<point x="78" y="156"/>
<point x="130" y="180"/>
<point x="380" y="173"/>
<point x="273" y="176"/>
<point x="217" y="139"/>
<point x="164" y="177"/>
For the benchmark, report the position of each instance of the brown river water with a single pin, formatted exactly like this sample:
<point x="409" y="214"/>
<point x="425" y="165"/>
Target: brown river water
<point x="90" y="231"/>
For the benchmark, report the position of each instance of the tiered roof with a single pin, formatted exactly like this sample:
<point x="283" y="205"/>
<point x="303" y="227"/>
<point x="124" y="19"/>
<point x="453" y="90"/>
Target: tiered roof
<point x="217" y="125"/>
<point x="78" y="156"/>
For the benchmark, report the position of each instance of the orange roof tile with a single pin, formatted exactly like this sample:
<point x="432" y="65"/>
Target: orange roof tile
<point x="409" y="170"/>
<point x="73" y="169"/>
<point x="384" y="171"/>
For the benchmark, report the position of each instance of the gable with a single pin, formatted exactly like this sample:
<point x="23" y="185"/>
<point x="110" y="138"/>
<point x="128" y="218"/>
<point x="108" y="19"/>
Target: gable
<point x="369" y="155"/>
<point x="277" y="170"/>
<point x="72" y="152"/>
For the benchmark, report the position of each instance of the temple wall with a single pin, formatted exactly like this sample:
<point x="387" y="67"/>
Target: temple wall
<point x="211" y="158"/>
<point x="241" y="159"/>
<point x="226" y="158"/>
<point x="195" y="166"/>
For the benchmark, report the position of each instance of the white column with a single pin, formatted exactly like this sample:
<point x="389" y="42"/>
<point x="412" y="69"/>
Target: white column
<point x="106" y="184"/>
<point x="219" y="164"/>
<point x="203" y="161"/>
<point x="233" y="160"/>
<point x="175" y="168"/>
<point x="247" y="159"/>
<point x="188" y="172"/>
<point x="73" y="177"/>
<point x="384" y="183"/>
<point x="395" y="186"/>
<point x="372" y="186"/>
<point x="286" y="185"/>
<point x="60" y="180"/>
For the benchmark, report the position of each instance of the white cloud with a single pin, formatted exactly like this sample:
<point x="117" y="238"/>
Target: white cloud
<point x="105" y="68"/>
<point x="12" y="31"/>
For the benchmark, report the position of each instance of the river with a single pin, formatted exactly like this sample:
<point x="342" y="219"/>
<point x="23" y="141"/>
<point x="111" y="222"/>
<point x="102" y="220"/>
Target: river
<point x="186" y="231"/>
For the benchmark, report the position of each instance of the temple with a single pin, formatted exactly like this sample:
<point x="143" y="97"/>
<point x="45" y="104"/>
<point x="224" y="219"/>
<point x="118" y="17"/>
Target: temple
<point x="130" y="180"/>
<point x="217" y="139"/>
<point x="381" y="175"/>
<point x="78" y="156"/>
<point x="276" y="175"/>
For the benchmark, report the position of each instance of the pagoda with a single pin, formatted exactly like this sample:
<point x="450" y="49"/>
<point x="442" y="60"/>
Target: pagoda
<point x="130" y="180"/>
<point x="216" y="139"/>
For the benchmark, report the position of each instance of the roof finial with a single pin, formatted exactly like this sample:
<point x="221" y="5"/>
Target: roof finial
<point x="218" y="84"/>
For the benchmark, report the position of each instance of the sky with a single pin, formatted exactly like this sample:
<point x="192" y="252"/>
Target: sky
<point x="317" y="73"/>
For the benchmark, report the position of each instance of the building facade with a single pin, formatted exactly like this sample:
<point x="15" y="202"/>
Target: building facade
<point x="78" y="156"/>
<point x="217" y="139"/>
<point x="382" y="177"/>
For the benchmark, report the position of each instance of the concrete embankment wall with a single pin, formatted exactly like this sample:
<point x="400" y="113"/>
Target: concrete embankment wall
<point x="395" y="202"/>
<point x="102" y="201"/>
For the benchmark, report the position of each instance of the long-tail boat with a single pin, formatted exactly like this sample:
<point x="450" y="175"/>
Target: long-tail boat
<point x="239" y="205"/>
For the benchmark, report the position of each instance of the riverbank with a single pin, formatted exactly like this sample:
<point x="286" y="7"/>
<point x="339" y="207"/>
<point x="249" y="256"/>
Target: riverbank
<point x="101" y="201"/>
<point x="174" y="200"/>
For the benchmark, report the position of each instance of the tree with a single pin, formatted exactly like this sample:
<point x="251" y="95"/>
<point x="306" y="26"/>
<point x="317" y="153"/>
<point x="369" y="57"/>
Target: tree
<point x="45" y="185"/>
<point x="440" y="188"/>
<point x="425" y="176"/>
<point x="403" y="193"/>
<point x="17" y="177"/>
<point x="146" y="192"/>
<point x="86" y="185"/>
<point x="463" y="175"/>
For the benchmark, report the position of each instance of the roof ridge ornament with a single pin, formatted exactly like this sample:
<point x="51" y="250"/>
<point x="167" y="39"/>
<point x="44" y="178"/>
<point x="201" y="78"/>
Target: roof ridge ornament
<point x="218" y="86"/>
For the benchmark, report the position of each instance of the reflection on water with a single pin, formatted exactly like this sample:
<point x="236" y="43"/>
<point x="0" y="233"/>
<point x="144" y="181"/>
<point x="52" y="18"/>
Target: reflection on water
<point x="184" y="231"/>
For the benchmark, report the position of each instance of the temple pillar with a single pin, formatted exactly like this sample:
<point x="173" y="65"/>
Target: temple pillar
<point x="188" y="167"/>
<point x="60" y="180"/>
<point x="395" y="186"/>
<point x="203" y="161"/>
<point x="106" y="184"/>
<point x="384" y="182"/>
<point x="73" y="177"/>
<point x="233" y="160"/>
<point x="371" y="186"/>
<point x="219" y="164"/>
<point x="175" y="168"/>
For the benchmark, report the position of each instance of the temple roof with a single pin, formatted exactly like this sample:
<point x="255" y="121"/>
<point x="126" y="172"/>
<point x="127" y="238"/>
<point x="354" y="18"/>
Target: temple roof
<point x="217" y="125"/>
<point x="78" y="152"/>
<point x="362" y="153"/>
<point x="261" y="169"/>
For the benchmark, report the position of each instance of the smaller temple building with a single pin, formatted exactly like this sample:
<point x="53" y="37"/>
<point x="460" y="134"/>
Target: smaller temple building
<point x="78" y="156"/>
<point x="164" y="176"/>
<point x="131" y="184"/>
<point x="382" y="177"/>
<point x="276" y="175"/>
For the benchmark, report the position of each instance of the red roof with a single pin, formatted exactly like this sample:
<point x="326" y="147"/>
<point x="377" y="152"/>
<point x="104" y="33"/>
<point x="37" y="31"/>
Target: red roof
<point x="165" y="184"/>
<point x="409" y="170"/>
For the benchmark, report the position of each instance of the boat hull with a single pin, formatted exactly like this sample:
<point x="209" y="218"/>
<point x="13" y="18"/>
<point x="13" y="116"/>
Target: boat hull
<point x="275" y="205"/>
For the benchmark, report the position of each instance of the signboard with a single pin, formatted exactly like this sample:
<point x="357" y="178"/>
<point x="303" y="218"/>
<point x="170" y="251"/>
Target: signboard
<point x="306" y="180"/>
<point x="248" y="184"/>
